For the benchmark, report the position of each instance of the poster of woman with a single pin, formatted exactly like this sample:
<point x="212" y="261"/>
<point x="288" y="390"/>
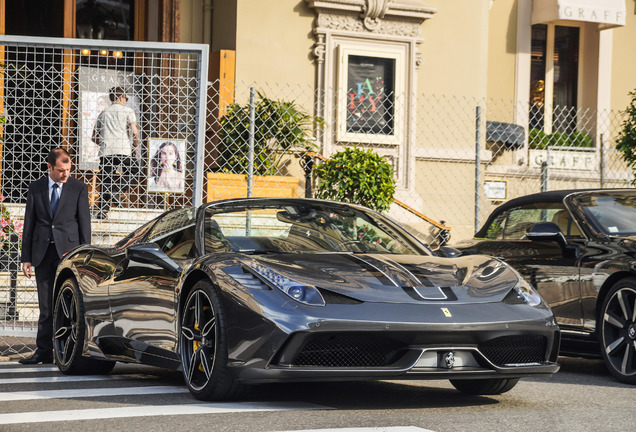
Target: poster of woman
<point x="166" y="165"/>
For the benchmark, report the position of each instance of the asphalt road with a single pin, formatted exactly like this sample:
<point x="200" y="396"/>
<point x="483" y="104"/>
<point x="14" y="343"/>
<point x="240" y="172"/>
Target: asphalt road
<point x="581" y="397"/>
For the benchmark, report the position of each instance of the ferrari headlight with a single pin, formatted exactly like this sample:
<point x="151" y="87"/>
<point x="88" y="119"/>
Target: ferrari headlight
<point x="300" y="292"/>
<point x="528" y="293"/>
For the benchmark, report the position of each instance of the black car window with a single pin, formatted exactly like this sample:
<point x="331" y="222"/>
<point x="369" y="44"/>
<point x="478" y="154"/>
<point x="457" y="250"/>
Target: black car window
<point x="612" y="213"/>
<point x="175" y="233"/>
<point x="512" y="224"/>
<point x="135" y="236"/>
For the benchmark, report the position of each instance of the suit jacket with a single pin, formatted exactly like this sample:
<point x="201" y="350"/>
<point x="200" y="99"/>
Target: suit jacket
<point x="70" y="227"/>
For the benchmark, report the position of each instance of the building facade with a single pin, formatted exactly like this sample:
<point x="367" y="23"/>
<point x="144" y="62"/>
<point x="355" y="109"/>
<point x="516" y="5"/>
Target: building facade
<point x="457" y="94"/>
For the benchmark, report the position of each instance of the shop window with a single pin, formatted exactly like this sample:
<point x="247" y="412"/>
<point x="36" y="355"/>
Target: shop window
<point x="371" y="109"/>
<point x="104" y="19"/>
<point x="554" y="72"/>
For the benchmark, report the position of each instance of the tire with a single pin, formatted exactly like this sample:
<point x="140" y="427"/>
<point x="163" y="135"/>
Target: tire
<point x="617" y="330"/>
<point x="490" y="386"/>
<point x="203" y="346"/>
<point x="69" y="329"/>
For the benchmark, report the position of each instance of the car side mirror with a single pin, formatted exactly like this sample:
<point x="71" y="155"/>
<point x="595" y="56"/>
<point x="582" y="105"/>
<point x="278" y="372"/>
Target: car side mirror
<point x="150" y="253"/>
<point x="546" y="232"/>
<point x="448" y="252"/>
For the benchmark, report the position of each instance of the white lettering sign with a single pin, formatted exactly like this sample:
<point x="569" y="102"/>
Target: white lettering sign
<point x="495" y="189"/>
<point x="600" y="15"/>
<point x="564" y="159"/>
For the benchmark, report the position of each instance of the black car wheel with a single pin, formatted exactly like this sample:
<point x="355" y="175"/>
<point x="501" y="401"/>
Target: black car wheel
<point x="203" y="347"/>
<point x="618" y="330"/>
<point x="69" y="329"/>
<point x="491" y="386"/>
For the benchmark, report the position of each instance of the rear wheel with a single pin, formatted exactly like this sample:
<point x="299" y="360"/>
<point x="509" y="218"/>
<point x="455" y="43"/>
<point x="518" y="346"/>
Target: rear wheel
<point x="617" y="330"/>
<point x="203" y="346"/>
<point x="69" y="329"/>
<point x="491" y="386"/>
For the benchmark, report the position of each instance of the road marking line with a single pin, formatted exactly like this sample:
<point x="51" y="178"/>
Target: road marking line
<point x="371" y="429"/>
<point x="28" y="369"/>
<point x="146" y="411"/>
<point x="94" y="392"/>
<point x="73" y="378"/>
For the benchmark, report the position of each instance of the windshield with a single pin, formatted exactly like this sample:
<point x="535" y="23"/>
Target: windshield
<point x="307" y="227"/>
<point x="611" y="213"/>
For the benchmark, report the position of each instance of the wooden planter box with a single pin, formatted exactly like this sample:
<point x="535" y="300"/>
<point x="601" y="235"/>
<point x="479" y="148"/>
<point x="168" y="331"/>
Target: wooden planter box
<point x="224" y="186"/>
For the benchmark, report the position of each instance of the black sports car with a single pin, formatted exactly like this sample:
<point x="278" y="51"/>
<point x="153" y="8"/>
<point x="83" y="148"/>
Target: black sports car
<point x="578" y="249"/>
<point x="262" y="290"/>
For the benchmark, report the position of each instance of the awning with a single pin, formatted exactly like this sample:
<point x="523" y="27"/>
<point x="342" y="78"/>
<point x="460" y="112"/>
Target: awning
<point x="607" y="13"/>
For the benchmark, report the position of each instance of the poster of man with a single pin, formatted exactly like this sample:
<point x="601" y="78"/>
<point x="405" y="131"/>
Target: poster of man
<point x="166" y="165"/>
<point x="94" y="85"/>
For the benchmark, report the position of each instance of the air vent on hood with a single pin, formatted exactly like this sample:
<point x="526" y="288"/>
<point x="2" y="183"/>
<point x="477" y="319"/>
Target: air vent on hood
<point x="431" y="293"/>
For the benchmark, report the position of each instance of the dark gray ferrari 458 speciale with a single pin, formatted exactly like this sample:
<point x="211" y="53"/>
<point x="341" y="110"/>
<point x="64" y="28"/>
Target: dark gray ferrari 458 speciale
<point x="261" y="290"/>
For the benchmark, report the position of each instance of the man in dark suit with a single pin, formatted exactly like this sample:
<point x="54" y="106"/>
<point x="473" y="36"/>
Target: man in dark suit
<point x="56" y="219"/>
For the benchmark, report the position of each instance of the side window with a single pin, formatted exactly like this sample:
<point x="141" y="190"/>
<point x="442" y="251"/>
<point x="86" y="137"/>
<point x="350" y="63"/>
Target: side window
<point x="495" y="230"/>
<point x="513" y="224"/>
<point x="175" y="233"/>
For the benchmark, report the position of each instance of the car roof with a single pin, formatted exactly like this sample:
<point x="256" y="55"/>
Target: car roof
<point x="549" y="196"/>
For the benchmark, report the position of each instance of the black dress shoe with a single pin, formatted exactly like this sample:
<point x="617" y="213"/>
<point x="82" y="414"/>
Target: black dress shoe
<point x="37" y="358"/>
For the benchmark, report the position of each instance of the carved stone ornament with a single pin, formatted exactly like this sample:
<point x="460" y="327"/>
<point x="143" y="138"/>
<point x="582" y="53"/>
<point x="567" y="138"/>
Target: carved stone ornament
<point x="391" y="17"/>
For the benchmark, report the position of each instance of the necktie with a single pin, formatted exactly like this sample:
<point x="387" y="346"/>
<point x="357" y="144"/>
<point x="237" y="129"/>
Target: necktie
<point x="54" y="197"/>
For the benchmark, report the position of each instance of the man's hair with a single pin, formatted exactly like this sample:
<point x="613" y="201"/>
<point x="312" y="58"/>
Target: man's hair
<point x="115" y="93"/>
<point x="58" y="153"/>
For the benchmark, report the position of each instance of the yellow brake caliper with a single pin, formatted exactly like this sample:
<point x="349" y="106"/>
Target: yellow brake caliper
<point x="197" y="344"/>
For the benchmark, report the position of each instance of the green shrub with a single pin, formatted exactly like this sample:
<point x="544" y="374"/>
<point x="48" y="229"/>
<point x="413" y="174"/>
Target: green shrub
<point x="580" y="139"/>
<point x="540" y="140"/>
<point x="279" y="128"/>
<point x="626" y="141"/>
<point x="357" y="176"/>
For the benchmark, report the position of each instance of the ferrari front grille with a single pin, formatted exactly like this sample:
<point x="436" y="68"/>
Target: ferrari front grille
<point x="512" y="350"/>
<point x="348" y="350"/>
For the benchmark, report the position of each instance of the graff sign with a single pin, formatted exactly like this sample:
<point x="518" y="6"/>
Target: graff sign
<point x="592" y="14"/>
<point x="370" y="82"/>
<point x="564" y="159"/>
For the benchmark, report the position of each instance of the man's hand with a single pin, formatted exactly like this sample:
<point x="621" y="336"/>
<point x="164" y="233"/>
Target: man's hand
<point x="27" y="269"/>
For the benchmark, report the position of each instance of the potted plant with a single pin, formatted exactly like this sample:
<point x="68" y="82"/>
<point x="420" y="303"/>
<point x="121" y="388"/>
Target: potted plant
<point x="280" y="128"/>
<point x="358" y="176"/>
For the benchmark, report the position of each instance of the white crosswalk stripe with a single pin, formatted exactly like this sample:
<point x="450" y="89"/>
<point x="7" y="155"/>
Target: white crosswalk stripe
<point x="93" y="392"/>
<point x="66" y="378"/>
<point x="50" y="375"/>
<point x="152" y="411"/>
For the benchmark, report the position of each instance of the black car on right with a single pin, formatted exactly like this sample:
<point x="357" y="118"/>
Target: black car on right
<point x="578" y="249"/>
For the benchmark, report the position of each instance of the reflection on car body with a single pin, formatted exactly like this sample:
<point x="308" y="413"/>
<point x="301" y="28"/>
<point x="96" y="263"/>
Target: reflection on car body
<point x="578" y="249"/>
<point x="260" y="290"/>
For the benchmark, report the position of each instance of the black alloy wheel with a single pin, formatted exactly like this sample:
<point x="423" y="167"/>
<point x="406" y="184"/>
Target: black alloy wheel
<point x="69" y="329"/>
<point x="203" y="347"/>
<point x="617" y="325"/>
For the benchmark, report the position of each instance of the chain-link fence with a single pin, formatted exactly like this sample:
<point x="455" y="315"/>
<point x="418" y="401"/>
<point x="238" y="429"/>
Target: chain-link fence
<point x="455" y="157"/>
<point x="51" y="94"/>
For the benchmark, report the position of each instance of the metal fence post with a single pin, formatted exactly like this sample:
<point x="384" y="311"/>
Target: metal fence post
<point x="601" y="161"/>
<point x="477" y="165"/>
<point x="250" y="151"/>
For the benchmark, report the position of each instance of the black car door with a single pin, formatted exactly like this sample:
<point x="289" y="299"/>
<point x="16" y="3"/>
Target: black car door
<point x="551" y="269"/>
<point x="143" y="296"/>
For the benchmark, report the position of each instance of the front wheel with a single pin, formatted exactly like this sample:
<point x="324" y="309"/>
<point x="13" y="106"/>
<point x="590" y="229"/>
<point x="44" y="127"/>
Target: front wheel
<point x="490" y="386"/>
<point x="617" y="330"/>
<point x="69" y="329"/>
<point x="203" y="346"/>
